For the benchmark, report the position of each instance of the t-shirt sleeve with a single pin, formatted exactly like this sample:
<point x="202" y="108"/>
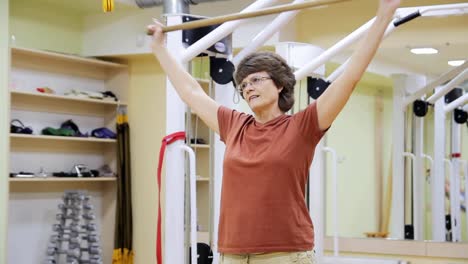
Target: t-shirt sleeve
<point x="227" y="120"/>
<point x="307" y="122"/>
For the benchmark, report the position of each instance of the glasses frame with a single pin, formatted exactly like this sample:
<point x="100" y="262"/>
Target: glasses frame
<point x="254" y="82"/>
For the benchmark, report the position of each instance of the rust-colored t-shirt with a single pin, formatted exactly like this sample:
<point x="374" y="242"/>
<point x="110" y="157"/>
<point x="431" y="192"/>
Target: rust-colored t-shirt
<point x="265" y="172"/>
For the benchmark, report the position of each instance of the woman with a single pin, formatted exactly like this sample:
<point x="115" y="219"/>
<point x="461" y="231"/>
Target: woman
<point x="263" y="217"/>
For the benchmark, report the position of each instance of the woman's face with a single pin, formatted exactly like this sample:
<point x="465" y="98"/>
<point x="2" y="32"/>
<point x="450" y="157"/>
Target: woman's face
<point x="259" y="91"/>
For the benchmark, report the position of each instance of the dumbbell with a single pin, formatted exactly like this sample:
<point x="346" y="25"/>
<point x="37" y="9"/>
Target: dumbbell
<point x="74" y="227"/>
<point x="89" y="216"/>
<point x="65" y="237"/>
<point x="75" y="216"/>
<point x="72" y="206"/>
<point x="88" y="206"/>
<point x="73" y="253"/>
<point x="93" y="238"/>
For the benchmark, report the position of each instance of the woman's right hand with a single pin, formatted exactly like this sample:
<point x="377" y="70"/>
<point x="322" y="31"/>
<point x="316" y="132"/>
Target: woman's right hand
<point x="159" y="37"/>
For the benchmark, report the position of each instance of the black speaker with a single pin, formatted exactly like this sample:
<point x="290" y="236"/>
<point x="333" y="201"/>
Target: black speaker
<point x="204" y="252"/>
<point x="460" y="116"/>
<point x="420" y="108"/>
<point x="453" y="95"/>
<point x="316" y="86"/>
<point x="409" y="232"/>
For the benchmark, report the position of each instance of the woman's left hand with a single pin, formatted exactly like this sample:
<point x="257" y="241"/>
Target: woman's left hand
<point x="388" y="6"/>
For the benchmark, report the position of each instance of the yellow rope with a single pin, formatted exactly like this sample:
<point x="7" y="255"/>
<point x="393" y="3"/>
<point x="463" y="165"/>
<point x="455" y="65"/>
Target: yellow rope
<point x="122" y="256"/>
<point x="107" y="5"/>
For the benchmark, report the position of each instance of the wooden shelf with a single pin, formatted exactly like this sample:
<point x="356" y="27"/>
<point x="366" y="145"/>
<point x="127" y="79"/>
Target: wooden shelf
<point x="59" y="138"/>
<point x="64" y="179"/>
<point x="203" y="179"/>
<point x="203" y="81"/>
<point x="202" y="146"/>
<point x="63" y="57"/>
<point x="33" y="95"/>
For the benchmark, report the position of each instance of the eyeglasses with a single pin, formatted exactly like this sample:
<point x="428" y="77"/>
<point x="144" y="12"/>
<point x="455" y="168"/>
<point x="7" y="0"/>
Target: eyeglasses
<point x="254" y="81"/>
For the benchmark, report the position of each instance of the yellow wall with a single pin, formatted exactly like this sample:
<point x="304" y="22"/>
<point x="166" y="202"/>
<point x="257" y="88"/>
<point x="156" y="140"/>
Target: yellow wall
<point x="147" y="117"/>
<point x="4" y="125"/>
<point x="45" y="27"/>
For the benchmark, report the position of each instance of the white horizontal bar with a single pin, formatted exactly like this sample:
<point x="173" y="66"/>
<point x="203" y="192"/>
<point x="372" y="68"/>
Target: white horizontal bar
<point x="331" y="52"/>
<point x="193" y="203"/>
<point x="448" y="87"/>
<point x="340" y="69"/>
<point x="439" y="81"/>
<point x="459" y="101"/>
<point x="266" y="34"/>
<point x="220" y="32"/>
<point x="445" y="10"/>
<point x="435" y="10"/>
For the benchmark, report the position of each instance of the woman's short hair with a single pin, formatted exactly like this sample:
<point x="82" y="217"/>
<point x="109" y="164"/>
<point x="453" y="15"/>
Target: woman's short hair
<point x="277" y="69"/>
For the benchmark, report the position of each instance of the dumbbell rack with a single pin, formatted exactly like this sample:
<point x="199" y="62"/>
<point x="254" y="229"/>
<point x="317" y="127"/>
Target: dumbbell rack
<point x="75" y="239"/>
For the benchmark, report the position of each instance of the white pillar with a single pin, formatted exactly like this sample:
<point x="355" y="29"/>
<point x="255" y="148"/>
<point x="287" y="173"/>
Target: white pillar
<point x="224" y="96"/>
<point x="4" y="125"/>
<point x="438" y="179"/>
<point x="455" y="210"/>
<point x="175" y="161"/>
<point x="397" y="221"/>
<point x="419" y="179"/>
<point x="402" y="83"/>
<point x="317" y="196"/>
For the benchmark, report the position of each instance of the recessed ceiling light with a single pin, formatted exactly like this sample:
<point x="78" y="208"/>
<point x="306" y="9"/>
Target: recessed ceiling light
<point x="424" y="51"/>
<point x="456" y="63"/>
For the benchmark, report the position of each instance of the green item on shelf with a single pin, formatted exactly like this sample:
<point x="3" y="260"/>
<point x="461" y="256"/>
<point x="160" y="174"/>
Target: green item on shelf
<point x="50" y="131"/>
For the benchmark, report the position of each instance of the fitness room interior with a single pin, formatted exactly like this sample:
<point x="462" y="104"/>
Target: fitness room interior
<point x="88" y="105"/>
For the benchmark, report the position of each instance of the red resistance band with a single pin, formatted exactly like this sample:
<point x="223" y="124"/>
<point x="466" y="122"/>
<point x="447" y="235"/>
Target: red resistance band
<point x="167" y="140"/>
<point x="456" y="155"/>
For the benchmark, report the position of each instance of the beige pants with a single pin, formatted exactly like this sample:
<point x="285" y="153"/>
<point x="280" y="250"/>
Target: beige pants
<point x="305" y="257"/>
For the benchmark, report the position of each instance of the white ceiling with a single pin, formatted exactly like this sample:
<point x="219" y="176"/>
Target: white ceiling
<point x="448" y="34"/>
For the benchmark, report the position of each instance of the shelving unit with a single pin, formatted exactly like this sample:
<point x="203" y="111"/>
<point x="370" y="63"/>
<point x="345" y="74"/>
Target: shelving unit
<point x="59" y="138"/>
<point x="39" y="196"/>
<point x="57" y="179"/>
<point x="199" y="130"/>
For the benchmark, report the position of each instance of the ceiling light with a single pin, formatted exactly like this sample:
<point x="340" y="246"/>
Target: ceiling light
<point x="456" y="63"/>
<point x="424" y="51"/>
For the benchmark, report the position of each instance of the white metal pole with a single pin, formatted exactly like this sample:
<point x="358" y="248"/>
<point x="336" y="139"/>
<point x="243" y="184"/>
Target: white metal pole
<point x="193" y="202"/>
<point x="401" y="82"/>
<point x="223" y="94"/>
<point x="455" y="181"/>
<point x="331" y="52"/>
<point x="335" y="199"/>
<point x="456" y="103"/>
<point x="221" y="32"/>
<point x="266" y="34"/>
<point x="398" y="203"/>
<point x="175" y="160"/>
<point x="340" y="69"/>
<point x="448" y="87"/>
<point x="466" y="193"/>
<point x="429" y="180"/>
<point x="436" y="10"/>
<point x="4" y="124"/>
<point x="465" y="108"/>
<point x="438" y="179"/>
<point x="419" y="196"/>
<point x="438" y="82"/>
<point x="317" y="190"/>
